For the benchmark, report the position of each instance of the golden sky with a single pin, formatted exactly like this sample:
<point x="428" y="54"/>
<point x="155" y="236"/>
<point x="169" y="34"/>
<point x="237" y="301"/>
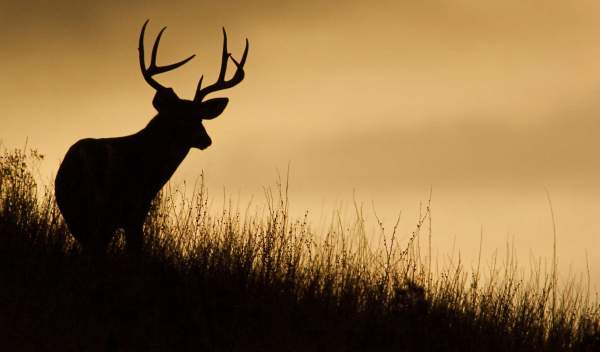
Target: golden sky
<point x="487" y="102"/>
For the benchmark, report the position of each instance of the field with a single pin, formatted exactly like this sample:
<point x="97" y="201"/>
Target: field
<point x="240" y="280"/>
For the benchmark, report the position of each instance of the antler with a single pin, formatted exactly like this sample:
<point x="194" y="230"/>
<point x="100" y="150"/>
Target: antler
<point x="153" y="69"/>
<point x="221" y="83"/>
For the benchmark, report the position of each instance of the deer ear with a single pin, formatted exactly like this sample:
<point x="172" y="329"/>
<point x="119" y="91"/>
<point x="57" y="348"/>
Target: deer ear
<point x="212" y="108"/>
<point x="164" y="99"/>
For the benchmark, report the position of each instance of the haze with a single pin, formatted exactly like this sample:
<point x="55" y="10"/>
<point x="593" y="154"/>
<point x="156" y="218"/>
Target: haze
<point x="489" y="104"/>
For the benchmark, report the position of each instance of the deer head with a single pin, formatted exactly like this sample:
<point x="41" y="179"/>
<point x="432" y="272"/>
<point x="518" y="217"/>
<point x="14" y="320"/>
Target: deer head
<point x="184" y="117"/>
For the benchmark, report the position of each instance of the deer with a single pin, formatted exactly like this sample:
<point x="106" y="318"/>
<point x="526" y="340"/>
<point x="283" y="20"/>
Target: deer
<point x="106" y="184"/>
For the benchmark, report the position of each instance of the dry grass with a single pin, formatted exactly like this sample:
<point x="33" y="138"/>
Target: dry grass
<point x="261" y="281"/>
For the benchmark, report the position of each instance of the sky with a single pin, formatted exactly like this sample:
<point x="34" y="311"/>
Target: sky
<point x="490" y="105"/>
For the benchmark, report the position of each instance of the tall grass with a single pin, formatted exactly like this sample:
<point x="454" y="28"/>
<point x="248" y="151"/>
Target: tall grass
<point x="247" y="280"/>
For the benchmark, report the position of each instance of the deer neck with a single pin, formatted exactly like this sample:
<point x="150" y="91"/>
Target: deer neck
<point x="168" y="149"/>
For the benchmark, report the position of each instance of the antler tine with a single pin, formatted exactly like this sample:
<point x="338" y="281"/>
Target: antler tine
<point x="224" y="57"/>
<point x="244" y="55"/>
<point x="147" y="77"/>
<point x="221" y="83"/>
<point x="199" y="84"/>
<point x="155" y="47"/>
<point x="154" y="69"/>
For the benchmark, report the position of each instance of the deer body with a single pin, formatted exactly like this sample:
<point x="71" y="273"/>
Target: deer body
<point x="106" y="184"/>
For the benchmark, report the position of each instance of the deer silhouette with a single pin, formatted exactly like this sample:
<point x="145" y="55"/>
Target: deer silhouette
<point x="109" y="183"/>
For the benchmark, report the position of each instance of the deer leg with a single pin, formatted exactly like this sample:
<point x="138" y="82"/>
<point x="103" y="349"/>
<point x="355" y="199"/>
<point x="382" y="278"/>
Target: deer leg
<point x="92" y="239"/>
<point x="94" y="244"/>
<point x="134" y="235"/>
<point x="101" y="234"/>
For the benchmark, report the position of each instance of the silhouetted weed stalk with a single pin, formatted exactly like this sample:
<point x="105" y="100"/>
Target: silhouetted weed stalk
<point x="256" y="279"/>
